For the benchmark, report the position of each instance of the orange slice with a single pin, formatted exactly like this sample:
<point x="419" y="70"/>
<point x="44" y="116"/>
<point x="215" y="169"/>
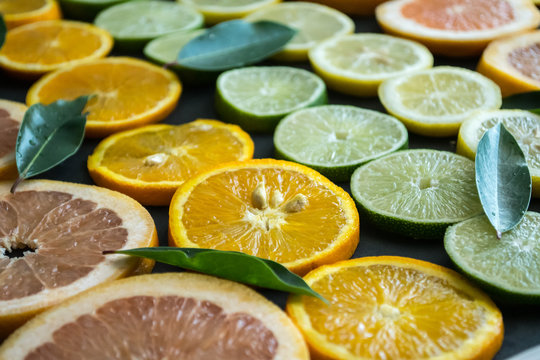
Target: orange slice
<point x="513" y="63"/>
<point x="52" y="235"/>
<point x="129" y="92"/>
<point x="21" y="12"/>
<point x="396" y="308"/>
<point x="151" y="162"/>
<point x="273" y="209"/>
<point x="353" y="7"/>
<point x="11" y="115"/>
<point x="457" y="27"/>
<point x="161" y="316"/>
<point x="37" y="48"/>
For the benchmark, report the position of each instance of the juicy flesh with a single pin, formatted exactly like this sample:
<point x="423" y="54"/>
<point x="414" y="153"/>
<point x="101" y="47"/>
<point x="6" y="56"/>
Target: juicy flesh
<point x="219" y="214"/>
<point x="167" y="327"/>
<point x="459" y="15"/>
<point x="67" y="234"/>
<point x="20" y="6"/>
<point x="527" y="60"/>
<point x="9" y="129"/>
<point x="389" y="312"/>
<point x="50" y="44"/>
<point x="175" y="153"/>
<point x="123" y="90"/>
<point x="421" y="185"/>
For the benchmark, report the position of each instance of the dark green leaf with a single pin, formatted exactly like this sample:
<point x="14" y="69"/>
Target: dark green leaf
<point x="230" y="265"/>
<point x="233" y="44"/>
<point x="525" y="101"/>
<point x="502" y="178"/>
<point x="3" y="30"/>
<point x="49" y="134"/>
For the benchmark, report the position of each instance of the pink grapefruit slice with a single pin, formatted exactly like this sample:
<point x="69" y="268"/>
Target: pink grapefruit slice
<point x="11" y="115"/>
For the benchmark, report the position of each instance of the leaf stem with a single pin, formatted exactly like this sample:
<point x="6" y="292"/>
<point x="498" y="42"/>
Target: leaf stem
<point x="169" y="64"/>
<point x="16" y="183"/>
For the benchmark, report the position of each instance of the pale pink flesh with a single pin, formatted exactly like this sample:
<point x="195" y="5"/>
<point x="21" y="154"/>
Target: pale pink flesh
<point x="155" y="328"/>
<point x="8" y="133"/>
<point x="67" y="233"/>
<point x="527" y="61"/>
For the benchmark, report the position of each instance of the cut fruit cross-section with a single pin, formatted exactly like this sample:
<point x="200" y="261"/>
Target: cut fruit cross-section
<point x="11" y="115"/>
<point x="396" y="308"/>
<point x="225" y="10"/>
<point x="21" y="12"/>
<point x="161" y="316"/>
<point x="52" y="235"/>
<point x="273" y="209"/>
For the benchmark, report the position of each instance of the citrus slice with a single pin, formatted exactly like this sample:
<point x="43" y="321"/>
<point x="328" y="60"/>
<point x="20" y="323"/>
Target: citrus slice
<point x="417" y="193"/>
<point x="128" y="92"/>
<point x="21" y="12"/>
<point x="353" y="7"/>
<point x="357" y="64"/>
<point x="223" y="10"/>
<point x="11" y="116"/>
<point x="507" y="267"/>
<point x="513" y="63"/>
<point x="523" y="125"/>
<point x="52" y="235"/>
<point x="37" y="48"/>
<point x="336" y="139"/>
<point x="396" y="308"/>
<point x="256" y="98"/>
<point x="161" y="316"/>
<point x="86" y="9"/>
<point x="134" y="23"/>
<point x="151" y="162"/>
<point x="273" y="209"/>
<point x="435" y="102"/>
<point x="314" y="23"/>
<point x="457" y="27"/>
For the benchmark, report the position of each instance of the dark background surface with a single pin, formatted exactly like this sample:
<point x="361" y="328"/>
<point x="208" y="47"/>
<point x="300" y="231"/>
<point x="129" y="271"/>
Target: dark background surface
<point x="522" y="323"/>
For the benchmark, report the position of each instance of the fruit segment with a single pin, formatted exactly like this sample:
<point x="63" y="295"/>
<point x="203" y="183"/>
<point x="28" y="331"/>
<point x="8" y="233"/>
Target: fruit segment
<point x="11" y="115"/>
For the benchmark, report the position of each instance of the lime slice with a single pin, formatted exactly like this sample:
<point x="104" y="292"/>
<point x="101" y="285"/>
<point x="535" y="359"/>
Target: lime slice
<point x="525" y="127"/>
<point x="435" y="102"/>
<point x="135" y="23"/>
<point x="165" y="49"/>
<point x="357" y="64"/>
<point x="314" y="23"/>
<point x="417" y="193"/>
<point x="85" y="9"/>
<point x="508" y="267"/>
<point x="216" y="11"/>
<point x="258" y="97"/>
<point x="336" y="139"/>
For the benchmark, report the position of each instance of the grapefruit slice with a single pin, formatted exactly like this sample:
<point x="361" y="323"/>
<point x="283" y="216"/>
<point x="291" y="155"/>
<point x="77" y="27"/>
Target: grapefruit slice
<point x="52" y="235"/>
<point x="457" y="27"/>
<point x="513" y="63"/>
<point x="161" y="316"/>
<point x="11" y="115"/>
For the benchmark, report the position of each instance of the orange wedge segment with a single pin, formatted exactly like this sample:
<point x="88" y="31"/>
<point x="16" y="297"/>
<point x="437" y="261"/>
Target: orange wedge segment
<point x="21" y="12"/>
<point x="128" y="92"/>
<point x="457" y="27"/>
<point x="513" y="63"/>
<point x="273" y="209"/>
<point x="52" y="235"/>
<point x="151" y="162"/>
<point x="396" y="308"/>
<point x="37" y="48"/>
<point x="11" y="116"/>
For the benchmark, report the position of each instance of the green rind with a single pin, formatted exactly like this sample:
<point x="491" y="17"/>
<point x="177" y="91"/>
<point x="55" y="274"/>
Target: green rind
<point x="86" y="10"/>
<point x="254" y="123"/>
<point x="335" y="173"/>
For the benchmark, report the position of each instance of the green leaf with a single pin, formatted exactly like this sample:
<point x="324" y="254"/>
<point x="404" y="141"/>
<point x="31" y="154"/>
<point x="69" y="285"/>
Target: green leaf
<point x="234" y="44"/>
<point x="49" y="134"/>
<point x="229" y="265"/>
<point x="502" y="178"/>
<point x="526" y="101"/>
<point x="3" y="30"/>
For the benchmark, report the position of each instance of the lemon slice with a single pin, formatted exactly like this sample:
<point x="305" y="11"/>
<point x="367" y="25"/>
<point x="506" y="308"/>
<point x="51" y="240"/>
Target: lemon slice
<point x="357" y="64"/>
<point x="435" y="102"/>
<point x="525" y="127"/>
<point x="314" y="23"/>
<point x="216" y="11"/>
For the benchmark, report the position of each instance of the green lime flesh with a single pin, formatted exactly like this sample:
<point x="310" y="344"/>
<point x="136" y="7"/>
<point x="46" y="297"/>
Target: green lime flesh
<point x="336" y="139"/>
<point x="417" y="193"/>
